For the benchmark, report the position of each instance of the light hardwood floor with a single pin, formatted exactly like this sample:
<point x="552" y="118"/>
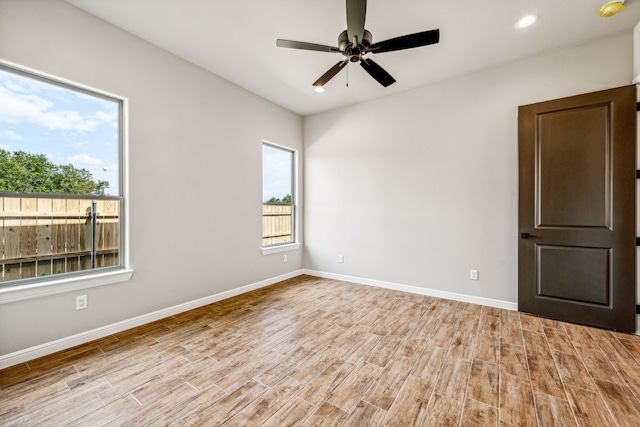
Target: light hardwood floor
<point x="312" y="351"/>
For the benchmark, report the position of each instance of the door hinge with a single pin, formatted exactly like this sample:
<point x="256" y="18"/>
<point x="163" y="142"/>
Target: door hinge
<point x="637" y="241"/>
<point x="637" y="309"/>
<point x="637" y="106"/>
<point x="637" y="174"/>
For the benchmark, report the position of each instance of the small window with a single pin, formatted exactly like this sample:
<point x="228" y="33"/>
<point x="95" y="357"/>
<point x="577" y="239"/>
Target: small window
<point x="278" y="196"/>
<point x="61" y="201"/>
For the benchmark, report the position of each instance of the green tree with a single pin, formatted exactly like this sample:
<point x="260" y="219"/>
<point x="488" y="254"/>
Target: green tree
<point x="34" y="173"/>
<point x="286" y="200"/>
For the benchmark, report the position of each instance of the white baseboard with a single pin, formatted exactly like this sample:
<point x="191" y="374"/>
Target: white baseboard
<point x="31" y="353"/>
<point x="84" y="337"/>
<point x="507" y="305"/>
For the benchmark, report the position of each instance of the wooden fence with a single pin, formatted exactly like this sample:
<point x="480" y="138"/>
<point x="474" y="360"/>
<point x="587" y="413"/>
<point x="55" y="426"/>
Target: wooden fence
<point x="42" y="236"/>
<point x="277" y="221"/>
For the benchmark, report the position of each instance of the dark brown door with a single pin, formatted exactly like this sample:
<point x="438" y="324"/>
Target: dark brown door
<point x="576" y="252"/>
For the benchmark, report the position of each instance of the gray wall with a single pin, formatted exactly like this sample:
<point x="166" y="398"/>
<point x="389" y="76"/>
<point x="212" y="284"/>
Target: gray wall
<point x="195" y="178"/>
<point x="426" y="188"/>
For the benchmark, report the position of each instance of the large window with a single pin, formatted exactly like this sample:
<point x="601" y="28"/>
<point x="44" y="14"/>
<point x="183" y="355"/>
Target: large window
<point x="61" y="189"/>
<point x="278" y="196"/>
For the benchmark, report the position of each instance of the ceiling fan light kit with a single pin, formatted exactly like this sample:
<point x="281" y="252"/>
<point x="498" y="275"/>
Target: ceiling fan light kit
<point x="356" y="42"/>
<point x="611" y="8"/>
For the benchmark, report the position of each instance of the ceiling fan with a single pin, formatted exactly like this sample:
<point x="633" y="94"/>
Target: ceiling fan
<point x="356" y="42"/>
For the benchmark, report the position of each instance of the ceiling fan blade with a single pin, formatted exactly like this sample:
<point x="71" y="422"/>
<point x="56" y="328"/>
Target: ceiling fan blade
<point x="356" y="14"/>
<point x="377" y="72"/>
<point x="406" y="42"/>
<point x="292" y="44"/>
<point x="331" y="73"/>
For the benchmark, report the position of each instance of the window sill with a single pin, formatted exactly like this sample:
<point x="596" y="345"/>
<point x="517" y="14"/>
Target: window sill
<point x="281" y="248"/>
<point x="68" y="284"/>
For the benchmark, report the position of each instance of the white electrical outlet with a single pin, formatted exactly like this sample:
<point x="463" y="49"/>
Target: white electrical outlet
<point x="341" y="259"/>
<point x="82" y="302"/>
<point x="285" y="259"/>
<point x="473" y="274"/>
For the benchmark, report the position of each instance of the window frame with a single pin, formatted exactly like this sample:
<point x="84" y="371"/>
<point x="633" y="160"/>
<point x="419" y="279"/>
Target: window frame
<point x="31" y="288"/>
<point x="295" y="243"/>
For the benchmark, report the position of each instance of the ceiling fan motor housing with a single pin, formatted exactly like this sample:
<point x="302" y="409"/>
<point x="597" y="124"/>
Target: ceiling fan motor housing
<point x="354" y="52"/>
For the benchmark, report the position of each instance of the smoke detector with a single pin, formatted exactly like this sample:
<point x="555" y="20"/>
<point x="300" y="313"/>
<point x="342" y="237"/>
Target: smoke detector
<point x="611" y="8"/>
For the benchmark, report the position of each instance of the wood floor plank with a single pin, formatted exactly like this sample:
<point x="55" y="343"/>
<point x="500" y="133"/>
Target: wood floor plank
<point x="365" y="414"/>
<point x="350" y="391"/>
<point x="487" y="348"/>
<point x="386" y="387"/>
<point x="513" y="361"/>
<point x="327" y="415"/>
<point x="104" y="414"/>
<point x="318" y="390"/>
<point x="293" y="414"/>
<point x="453" y="378"/>
<point x="631" y="343"/>
<point x="530" y="323"/>
<point x="612" y="347"/>
<point x="572" y="371"/>
<point x="69" y="402"/>
<point x="410" y="350"/>
<point x="442" y="335"/>
<point x="476" y="413"/>
<point x="489" y="325"/>
<point x="599" y="365"/>
<point x="282" y="369"/>
<point x="559" y="340"/>
<point x="536" y="344"/>
<point x="484" y="383"/>
<point x="411" y="404"/>
<point x="172" y="398"/>
<point x="553" y="411"/>
<point x="469" y="322"/>
<point x="516" y="401"/>
<point x="300" y="352"/>
<point x="580" y="337"/>
<point x="462" y="345"/>
<point x="442" y="412"/>
<point x="362" y="347"/>
<point x="260" y="410"/>
<point x="624" y="407"/>
<point x="545" y="377"/>
<point x="430" y="363"/>
<point x="588" y="407"/>
<point x="630" y="377"/>
<point x="511" y="334"/>
<point x="225" y="408"/>
<point x="384" y="350"/>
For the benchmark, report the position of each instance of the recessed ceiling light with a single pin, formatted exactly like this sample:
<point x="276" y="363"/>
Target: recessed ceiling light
<point x="526" y="21"/>
<point x="318" y="89"/>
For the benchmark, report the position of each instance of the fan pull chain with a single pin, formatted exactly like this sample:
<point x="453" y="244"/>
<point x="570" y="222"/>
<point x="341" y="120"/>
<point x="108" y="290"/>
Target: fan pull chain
<point x="347" y="74"/>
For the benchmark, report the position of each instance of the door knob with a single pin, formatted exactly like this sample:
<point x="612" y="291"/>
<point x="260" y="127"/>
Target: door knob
<point x="525" y="235"/>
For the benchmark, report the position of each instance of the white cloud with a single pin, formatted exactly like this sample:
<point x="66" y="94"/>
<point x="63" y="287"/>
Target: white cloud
<point x="18" y="108"/>
<point x="84" y="160"/>
<point x="9" y="134"/>
<point x="110" y="119"/>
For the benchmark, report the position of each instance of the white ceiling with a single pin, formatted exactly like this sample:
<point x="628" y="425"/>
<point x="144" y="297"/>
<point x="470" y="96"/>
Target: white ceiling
<point x="237" y="39"/>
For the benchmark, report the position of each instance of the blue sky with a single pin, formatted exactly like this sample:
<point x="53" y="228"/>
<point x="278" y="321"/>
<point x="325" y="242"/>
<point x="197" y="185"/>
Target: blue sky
<point x="68" y="127"/>
<point x="276" y="172"/>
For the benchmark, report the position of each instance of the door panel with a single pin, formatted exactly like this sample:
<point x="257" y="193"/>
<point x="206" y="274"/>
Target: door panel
<point x="574" y="274"/>
<point x="574" y="159"/>
<point x="576" y="254"/>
